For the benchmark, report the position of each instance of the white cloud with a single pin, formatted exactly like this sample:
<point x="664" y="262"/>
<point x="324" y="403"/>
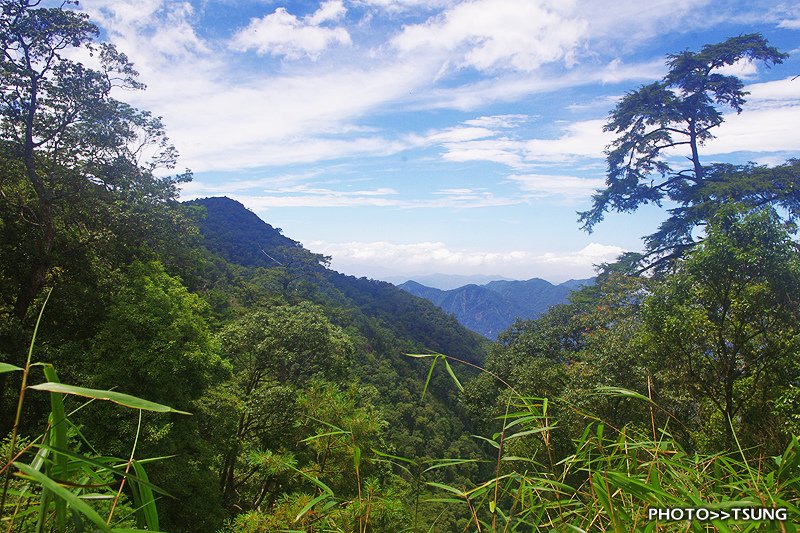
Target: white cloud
<point x="498" y="121"/>
<point x="404" y="5"/>
<point x="459" y="134"/>
<point x="306" y="196"/>
<point x="548" y="185"/>
<point x="331" y="10"/>
<point x="155" y="34"/>
<point x="511" y="87"/>
<point x="787" y="89"/>
<point x="580" y="139"/>
<point x="438" y="257"/>
<point x="763" y="130"/>
<point x="501" y="150"/>
<point x="624" y="25"/>
<point x="223" y="116"/>
<point x="743" y="68"/>
<point x="492" y="34"/>
<point x="591" y="254"/>
<point x="283" y="34"/>
<point x="768" y="122"/>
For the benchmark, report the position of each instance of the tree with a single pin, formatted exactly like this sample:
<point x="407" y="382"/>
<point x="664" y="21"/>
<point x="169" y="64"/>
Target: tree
<point x="63" y="137"/>
<point x="724" y="326"/>
<point x="681" y="111"/>
<point x="274" y="353"/>
<point x="156" y="343"/>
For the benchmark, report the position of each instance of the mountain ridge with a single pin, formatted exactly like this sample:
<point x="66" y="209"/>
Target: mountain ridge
<point x="492" y="308"/>
<point x="241" y="237"/>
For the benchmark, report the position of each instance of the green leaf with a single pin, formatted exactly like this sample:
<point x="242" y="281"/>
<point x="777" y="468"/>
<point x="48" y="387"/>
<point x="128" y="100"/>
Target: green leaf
<point x="57" y="490"/>
<point x="453" y="375"/>
<point x="147" y="503"/>
<point x="448" y="488"/>
<point x="125" y="400"/>
<point x="57" y="439"/>
<point x="619" y="391"/>
<point x="430" y="373"/>
<point x="311" y="504"/>
<point x="5" y="367"/>
<point x="133" y="530"/>
<point x="490" y="441"/>
<point x="118" y="470"/>
<point x="382" y="454"/>
<point x="444" y="463"/>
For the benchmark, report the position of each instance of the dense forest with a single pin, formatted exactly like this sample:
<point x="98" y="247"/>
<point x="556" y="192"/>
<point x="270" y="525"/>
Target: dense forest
<point x="185" y="367"/>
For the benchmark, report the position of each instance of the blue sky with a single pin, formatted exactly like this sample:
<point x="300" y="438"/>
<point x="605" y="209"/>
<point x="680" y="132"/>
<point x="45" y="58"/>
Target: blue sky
<point x="406" y="137"/>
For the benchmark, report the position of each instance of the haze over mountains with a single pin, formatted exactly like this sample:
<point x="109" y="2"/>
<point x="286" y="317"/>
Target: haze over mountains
<point x="491" y="308"/>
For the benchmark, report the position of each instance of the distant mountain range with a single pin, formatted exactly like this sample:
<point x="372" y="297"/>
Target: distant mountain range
<point x="444" y="281"/>
<point x="491" y="308"/>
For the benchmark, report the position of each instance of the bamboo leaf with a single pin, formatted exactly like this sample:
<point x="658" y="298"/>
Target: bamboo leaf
<point x="125" y="400"/>
<point x="58" y="439"/>
<point x="390" y="456"/>
<point x="448" y="488"/>
<point x="147" y="501"/>
<point x="443" y="463"/>
<point x="5" y="367"/>
<point x="311" y="504"/>
<point x="430" y="373"/>
<point x="57" y="490"/>
<point x="453" y="375"/>
<point x="118" y="470"/>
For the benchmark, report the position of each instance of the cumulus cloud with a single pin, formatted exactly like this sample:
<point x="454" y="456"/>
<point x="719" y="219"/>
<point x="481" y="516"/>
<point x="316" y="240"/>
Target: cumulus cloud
<point x="499" y="34"/>
<point x="283" y="34"/>
<point x="437" y="257"/>
<point x="768" y="122"/>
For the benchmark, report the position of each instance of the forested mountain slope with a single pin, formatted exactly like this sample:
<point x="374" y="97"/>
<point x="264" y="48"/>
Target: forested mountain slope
<point x="491" y="308"/>
<point x="238" y="235"/>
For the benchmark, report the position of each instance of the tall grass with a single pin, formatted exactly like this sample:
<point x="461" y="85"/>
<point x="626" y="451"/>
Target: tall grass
<point x="607" y="480"/>
<point x="50" y="485"/>
<point x="613" y="476"/>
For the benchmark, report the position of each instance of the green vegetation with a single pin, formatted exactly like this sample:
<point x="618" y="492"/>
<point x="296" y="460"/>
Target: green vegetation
<point x="215" y="376"/>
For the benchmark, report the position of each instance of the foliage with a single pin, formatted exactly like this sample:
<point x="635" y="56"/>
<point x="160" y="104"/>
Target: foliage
<point x="681" y="111"/>
<point x="725" y="323"/>
<point x="607" y="481"/>
<point x="68" y="144"/>
<point x="669" y="390"/>
<point x="61" y="485"/>
<point x="155" y="343"/>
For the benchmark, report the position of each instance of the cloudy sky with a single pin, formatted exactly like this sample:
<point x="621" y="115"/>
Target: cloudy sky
<point x="405" y="137"/>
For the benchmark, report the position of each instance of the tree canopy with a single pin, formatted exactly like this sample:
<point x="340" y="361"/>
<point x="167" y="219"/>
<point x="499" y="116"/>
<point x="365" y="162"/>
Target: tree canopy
<point x="67" y="143"/>
<point x="680" y="113"/>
